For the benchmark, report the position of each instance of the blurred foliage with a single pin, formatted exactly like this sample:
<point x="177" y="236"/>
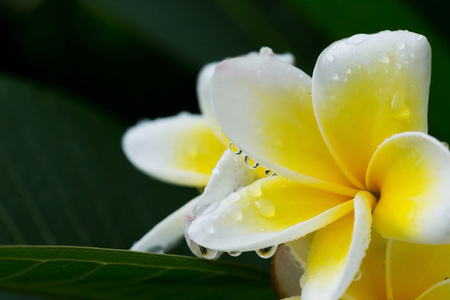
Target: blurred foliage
<point x="76" y="73"/>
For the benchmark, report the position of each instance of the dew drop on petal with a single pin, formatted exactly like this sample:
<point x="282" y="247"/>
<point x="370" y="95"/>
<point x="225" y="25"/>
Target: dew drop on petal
<point x="302" y="281"/>
<point x="334" y="75"/>
<point x="255" y="189"/>
<point x="399" y="109"/>
<point x="234" y="253"/>
<point x="270" y="173"/>
<point x="358" y="276"/>
<point x="265" y="208"/>
<point x="208" y="227"/>
<point x="250" y="162"/>
<point x="445" y="144"/>
<point x="267" y="252"/>
<point x="208" y="253"/>
<point x="383" y="57"/>
<point x="330" y="57"/>
<point x="398" y="65"/>
<point x="233" y="197"/>
<point x="357" y="39"/>
<point x="235" y="150"/>
<point x="235" y="212"/>
<point x="400" y="45"/>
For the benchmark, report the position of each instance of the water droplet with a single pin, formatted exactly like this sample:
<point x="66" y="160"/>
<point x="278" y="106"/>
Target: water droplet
<point x="419" y="37"/>
<point x="208" y="227"/>
<point x="250" y="162"/>
<point x="208" y="253"/>
<point x="358" y="276"/>
<point x="445" y="144"/>
<point x="347" y="70"/>
<point x="357" y="39"/>
<point x="255" y="189"/>
<point x="330" y="57"/>
<point x="383" y="57"/>
<point x="302" y="281"/>
<point x="400" y="45"/>
<point x="265" y="51"/>
<point x="233" y="197"/>
<point x="267" y="252"/>
<point x="399" y="109"/>
<point x="235" y="212"/>
<point x="270" y="173"/>
<point x="265" y="208"/>
<point x="334" y="75"/>
<point x="235" y="253"/>
<point x="398" y="65"/>
<point x="235" y="150"/>
<point x="412" y="54"/>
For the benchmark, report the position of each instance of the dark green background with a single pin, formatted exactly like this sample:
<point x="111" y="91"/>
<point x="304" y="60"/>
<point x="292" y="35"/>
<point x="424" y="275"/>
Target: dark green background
<point x="75" y="74"/>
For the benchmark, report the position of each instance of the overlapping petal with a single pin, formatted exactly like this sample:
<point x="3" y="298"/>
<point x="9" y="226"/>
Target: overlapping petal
<point x="414" y="268"/>
<point x="367" y="88"/>
<point x="411" y="171"/>
<point x="337" y="251"/>
<point x="268" y="212"/>
<point x="370" y="281"/>
<point x="180" y="149"/>
<point x="440" y="290"/>
<point x="264" y="106"/>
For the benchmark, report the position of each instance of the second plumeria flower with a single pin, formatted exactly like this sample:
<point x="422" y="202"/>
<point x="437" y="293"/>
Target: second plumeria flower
<point x="349" y="145"/>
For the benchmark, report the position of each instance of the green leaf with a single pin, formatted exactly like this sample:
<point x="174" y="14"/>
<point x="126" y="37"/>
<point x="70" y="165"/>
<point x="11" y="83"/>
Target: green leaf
<point x="64" y="179"/>
<point x="90" y="273"/>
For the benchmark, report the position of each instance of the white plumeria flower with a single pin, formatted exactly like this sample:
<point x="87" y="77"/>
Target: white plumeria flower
<point x="354" y="151"/>
<point x="181" y="149"/>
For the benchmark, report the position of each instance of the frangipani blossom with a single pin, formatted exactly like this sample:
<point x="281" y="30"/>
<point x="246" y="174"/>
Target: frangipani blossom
<point x="349" y="146"/>
<point x="391" y="269"/>
<point x="181" y="149"/>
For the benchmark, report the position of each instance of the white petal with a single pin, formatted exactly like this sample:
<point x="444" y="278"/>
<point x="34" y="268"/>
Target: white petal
<point x="367" y="88"/>
<point x="181" y="149"/>
<point x="203" y="91"/>
<point x="204" y="100"/>
<point x="167" y="233"/>
<point x="268" y="212"/>
<point x="264" y="107"/>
